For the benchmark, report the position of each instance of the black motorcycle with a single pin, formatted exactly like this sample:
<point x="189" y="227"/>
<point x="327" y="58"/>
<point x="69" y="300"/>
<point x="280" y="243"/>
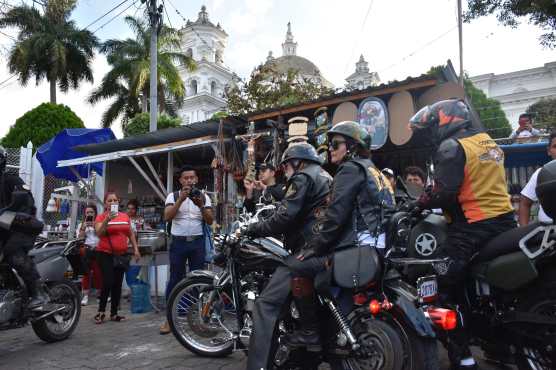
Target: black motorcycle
<point x="52" y="321"/>
<point x="384" y="324"/>
<point x="510" y="291"/>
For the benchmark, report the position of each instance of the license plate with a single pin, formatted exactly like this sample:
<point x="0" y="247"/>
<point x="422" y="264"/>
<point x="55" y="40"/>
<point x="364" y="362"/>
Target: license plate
<point x="427" y="288"/>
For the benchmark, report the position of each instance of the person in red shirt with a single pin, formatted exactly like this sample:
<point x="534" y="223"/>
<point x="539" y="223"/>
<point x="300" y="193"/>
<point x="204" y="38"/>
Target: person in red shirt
<point x="114" y="231"/>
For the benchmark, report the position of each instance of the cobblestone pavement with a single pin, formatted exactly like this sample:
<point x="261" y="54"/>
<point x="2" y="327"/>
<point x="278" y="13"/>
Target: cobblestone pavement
<point x="133" y="344"/>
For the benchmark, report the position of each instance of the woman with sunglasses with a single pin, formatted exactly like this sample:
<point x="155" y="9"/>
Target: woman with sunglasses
<point x="360" y="204"/>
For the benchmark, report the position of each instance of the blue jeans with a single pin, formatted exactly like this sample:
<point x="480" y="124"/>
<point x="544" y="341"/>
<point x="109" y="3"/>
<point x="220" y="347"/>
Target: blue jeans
<point x="182" y="251"/>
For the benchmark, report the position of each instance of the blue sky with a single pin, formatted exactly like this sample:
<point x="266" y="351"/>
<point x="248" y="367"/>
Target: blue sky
<point x="399" y="38"/>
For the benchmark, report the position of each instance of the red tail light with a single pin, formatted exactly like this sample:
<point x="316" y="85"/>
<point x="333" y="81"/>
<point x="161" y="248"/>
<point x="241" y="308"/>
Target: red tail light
<point x="443" y="318"/>
<point x="375" y="307"/>
<point x="359" y="299"/>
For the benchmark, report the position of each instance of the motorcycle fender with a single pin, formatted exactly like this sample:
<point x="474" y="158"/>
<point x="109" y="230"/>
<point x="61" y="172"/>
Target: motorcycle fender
<point x="411" y="315"/>
<point x="203" y="273"/>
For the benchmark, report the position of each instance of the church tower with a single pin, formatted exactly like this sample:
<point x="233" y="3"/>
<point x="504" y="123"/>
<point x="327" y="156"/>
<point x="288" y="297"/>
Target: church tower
<point x="362" y="78"/>
<point x="204" y="87"/>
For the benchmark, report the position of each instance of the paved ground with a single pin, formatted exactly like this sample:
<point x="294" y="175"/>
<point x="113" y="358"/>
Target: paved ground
<point x="134" y="344"/>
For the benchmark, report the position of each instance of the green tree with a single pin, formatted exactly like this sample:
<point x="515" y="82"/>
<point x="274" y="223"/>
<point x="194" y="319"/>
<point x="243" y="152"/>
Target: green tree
<point x="50" y="45"/>
<point x="140" y="124"/>
<point x="490" y="111"/>
<point x="41" y="124"/>
<point x="544" y="113"/>
<point x="128" y="80"/>
<point x="267" y="89"/>
<point x="541" y="13"/>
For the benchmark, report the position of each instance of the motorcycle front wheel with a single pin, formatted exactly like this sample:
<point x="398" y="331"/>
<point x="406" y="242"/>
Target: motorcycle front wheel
<point x="60" y="325"/>
<point x="201" y="318"/>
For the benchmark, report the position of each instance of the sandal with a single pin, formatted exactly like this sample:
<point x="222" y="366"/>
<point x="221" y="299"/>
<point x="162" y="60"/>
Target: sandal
<point x="99" y="318"/>
<point x="117" y="318"/>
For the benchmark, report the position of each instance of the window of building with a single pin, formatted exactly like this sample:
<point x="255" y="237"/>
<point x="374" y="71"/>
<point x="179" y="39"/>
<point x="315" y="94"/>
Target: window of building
<point x="194" y="87"/>
<point x="189" y="53"/>
<point x="213" y="88"/>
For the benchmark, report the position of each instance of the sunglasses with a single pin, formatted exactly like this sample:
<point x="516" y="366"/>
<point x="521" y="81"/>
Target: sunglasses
<point x="335" y="144"/>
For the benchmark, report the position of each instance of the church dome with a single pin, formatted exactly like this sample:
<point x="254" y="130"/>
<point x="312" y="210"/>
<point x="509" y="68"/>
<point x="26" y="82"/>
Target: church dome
<point x="302" y="65"/>
<point x="291" y="61"/>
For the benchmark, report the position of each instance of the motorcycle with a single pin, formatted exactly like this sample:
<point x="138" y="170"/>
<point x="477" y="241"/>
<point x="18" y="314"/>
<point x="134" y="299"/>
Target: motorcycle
<point x="510" y="290"/>
<point x="385" y="324"/>
<point x="55" y="320"/>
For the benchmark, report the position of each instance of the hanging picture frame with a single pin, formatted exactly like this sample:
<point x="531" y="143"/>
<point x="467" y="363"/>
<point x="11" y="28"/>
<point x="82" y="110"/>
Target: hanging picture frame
<point x="373" y="117"/>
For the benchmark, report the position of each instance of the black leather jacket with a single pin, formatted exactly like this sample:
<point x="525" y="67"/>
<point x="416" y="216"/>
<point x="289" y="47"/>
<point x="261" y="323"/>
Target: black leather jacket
<point x="298" y="214"/>
<point x="272" y="194"/>
<point x="359" y="202"/>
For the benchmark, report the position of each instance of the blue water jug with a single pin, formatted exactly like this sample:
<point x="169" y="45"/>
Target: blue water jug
<point x="140" y="298"/>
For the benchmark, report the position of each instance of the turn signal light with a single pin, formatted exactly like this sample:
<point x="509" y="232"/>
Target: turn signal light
<point x="443" y="318"/>
<point x="359" y="299"/>
<point x="375" y="307"/>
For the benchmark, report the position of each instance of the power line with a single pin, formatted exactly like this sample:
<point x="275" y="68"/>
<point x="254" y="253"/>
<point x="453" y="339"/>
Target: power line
<point x="356" y="41"/>
<point x="419" y="49"/>
<point x="116" y="16"/>
<point x="190" y="25"/>
<point x="105" y="14"/>
<point x="3" y="83"/>
<point x="8" y="36"/>
<point x="166" y="12"/>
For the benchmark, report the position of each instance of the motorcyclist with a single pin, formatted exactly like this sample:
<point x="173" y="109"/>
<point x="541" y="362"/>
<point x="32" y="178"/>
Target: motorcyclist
<point x="360" y="204"/>
<point x="19" y="239"/>
<point x="470" y="187"/>
<point x="306" y="193"/>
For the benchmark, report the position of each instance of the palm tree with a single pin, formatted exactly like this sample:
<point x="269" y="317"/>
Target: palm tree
<point x="50" y="46"/>
<point x="128" y="80"/>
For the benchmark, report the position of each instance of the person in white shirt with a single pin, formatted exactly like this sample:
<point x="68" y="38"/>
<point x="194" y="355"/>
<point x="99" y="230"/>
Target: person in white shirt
<point x="86" y="230"/>
<point x="529" y="195"/>
<point x="188" y="211"/>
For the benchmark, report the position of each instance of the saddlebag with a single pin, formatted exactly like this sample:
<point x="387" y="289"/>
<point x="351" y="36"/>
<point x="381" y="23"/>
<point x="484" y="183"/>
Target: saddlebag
<point x="356" y="266"/>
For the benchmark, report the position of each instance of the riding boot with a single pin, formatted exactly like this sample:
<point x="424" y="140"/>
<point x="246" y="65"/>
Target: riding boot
<point x="305" y="301"/>
<point x="38" y="293"/>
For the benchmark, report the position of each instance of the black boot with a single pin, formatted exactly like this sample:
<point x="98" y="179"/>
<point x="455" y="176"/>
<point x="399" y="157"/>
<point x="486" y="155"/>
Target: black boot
<point x="39" y="296"/>
<point x="308" y="333"/>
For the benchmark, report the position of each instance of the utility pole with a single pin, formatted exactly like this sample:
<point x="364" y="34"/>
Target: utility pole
<point x="460" y="29"/>
<point x="155" y="21"/>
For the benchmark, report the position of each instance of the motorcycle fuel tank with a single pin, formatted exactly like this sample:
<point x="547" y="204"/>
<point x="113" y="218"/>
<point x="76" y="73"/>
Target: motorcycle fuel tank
<point x="261" y="253"/>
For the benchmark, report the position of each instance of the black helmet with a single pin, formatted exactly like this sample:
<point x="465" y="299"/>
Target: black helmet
<point x="546" y="189"/>
<point x="3" y="159"/>
<point x="303" y="151"/>
<point x="353" y="131"/>
<point x="443" y="118"/>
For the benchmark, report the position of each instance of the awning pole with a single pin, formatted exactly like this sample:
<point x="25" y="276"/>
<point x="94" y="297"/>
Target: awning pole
<point x="91" y="191"/>
<point x="170" y="174"/>
<point x="151" y="167"/>
<point x="143" y="173"/>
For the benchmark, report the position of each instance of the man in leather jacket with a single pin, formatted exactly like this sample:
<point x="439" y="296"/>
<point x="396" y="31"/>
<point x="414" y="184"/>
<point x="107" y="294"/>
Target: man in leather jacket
<point x="470" y="187"/>
<point x="296" y="218"/>
<point x="360" y="205"/>
<point x="19" y="239"/>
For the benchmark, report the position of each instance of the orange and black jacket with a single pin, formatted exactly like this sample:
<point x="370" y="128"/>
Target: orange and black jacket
<point x="470" y="180"/>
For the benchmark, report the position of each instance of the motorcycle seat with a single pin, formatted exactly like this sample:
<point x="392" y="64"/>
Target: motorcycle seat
<point x="506" y="243"/>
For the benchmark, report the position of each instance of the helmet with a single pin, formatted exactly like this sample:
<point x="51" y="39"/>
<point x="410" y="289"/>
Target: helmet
<point x="546" y="188"/>
<point x="443" y="118"/>
<point x="303" y="151"/>
<point x="353" y="131"/>
<point x="3" y="159"/>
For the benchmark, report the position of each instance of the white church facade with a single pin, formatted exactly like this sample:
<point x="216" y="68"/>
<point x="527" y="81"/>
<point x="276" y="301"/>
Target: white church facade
<point x="518" y="90"/>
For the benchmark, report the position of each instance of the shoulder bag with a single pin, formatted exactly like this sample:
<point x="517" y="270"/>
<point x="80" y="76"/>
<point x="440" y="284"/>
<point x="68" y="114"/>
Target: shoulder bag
<point x="121" y="261"/>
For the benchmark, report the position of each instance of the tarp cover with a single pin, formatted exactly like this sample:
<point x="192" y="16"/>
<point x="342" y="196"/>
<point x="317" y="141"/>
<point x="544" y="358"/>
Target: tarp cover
<point x="60" y="148"/>
<point x="524" y="155"/>
<point x="159" y="137"/>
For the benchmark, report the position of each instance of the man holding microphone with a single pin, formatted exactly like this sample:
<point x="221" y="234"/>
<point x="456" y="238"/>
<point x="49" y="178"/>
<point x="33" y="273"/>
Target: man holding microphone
<point x="187" y="209"/>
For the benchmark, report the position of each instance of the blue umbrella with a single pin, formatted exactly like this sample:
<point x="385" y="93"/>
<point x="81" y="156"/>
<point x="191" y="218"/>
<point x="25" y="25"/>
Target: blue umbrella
<point x="60" y="148"/>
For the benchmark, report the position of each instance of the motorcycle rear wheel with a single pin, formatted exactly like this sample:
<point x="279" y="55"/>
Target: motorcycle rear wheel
<point x="61" y="325"/>
<point x="184" y="313"/>
<point x="541" y="302"/>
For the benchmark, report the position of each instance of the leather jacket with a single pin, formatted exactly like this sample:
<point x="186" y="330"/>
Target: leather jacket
<point x="298" y="215"/>
<point x="272" y="194"/>
<point x="359" y="202"/>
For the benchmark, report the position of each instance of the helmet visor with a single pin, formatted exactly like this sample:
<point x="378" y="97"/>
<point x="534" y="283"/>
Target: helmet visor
<point x="422" y="119"/>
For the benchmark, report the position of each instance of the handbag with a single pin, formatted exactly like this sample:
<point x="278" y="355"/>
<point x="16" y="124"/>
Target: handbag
<point x="121" y="261"/>
<point x="356" y="266"/>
